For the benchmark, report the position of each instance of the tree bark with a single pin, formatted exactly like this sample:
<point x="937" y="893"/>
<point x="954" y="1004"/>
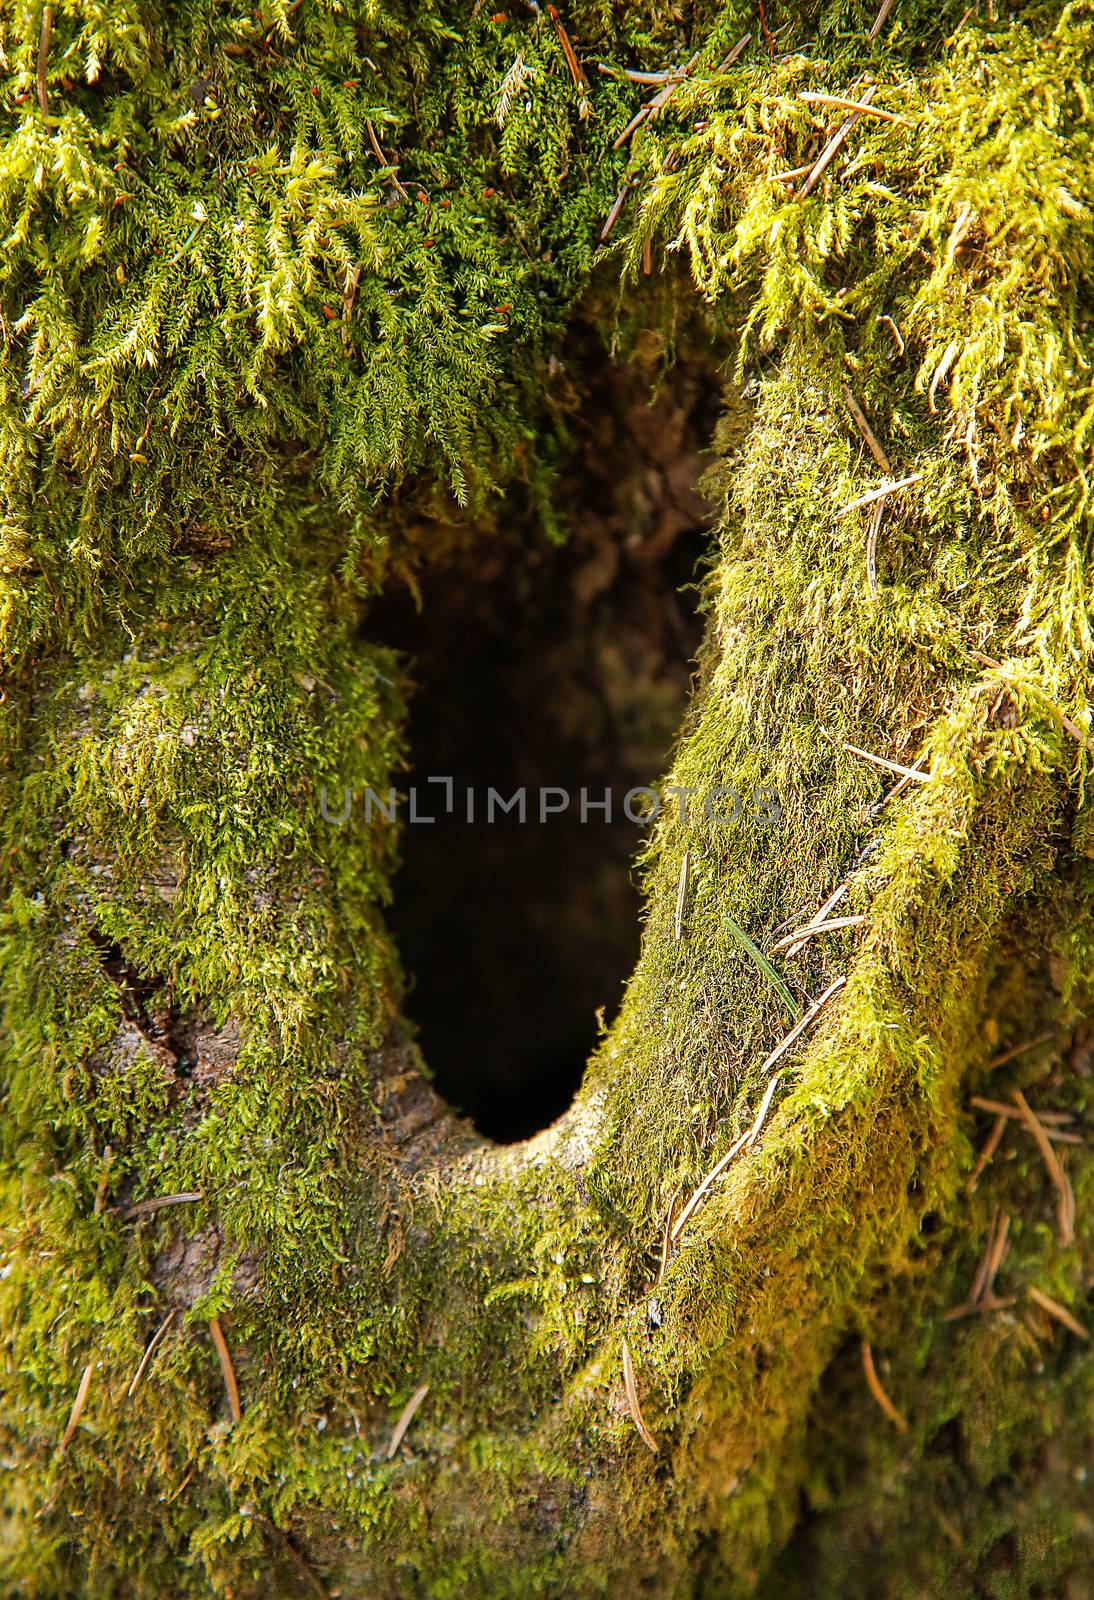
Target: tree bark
<point x="750" y="1318"/>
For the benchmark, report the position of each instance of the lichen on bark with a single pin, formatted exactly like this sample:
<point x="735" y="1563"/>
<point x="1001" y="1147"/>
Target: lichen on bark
<point x="283" y="292"/>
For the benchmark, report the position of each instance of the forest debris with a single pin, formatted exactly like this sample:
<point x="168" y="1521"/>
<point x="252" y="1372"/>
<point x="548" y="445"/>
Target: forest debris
<point x="880" y="19"/>
<point x="406" y="1417"/>
<point x="666" y="1235"/>
<point x="829" y="152"/>
<point x="156" y="1202"/>
<point x="880" y="493"/>
<point x="148" y="1354"/>
<point x="77" y="1409"/>
<point x="873" y="1383"/>
<point x="800" y="935"/>
<point x="613" y="215"/>
<point x="216" y="1333"/>
<point x="991" y="1145"/>
<point x="581" y="82"/>
<point x="806" y="1022"/>
<point x="1019" y="1050"/>
<point x="863" y="107"/>
<point x="1059" y="1312"/>
<point x="680" y="893"/>
<point x="871" y="548"/>
<point x="1050" y="705"/>
<point x="865" y="429"/>
<point x="632" y="1399"/>
<point x="940" y="372"/>
<point x="385" y="160"/>
<point x="911" y="773"/>
<point x="829" y="905"/>
<point x="795" y="172"/>
<point x="633" y="74"/>
<point x="654" y="107"/>
<point x="511" y="85"/>
<point x="1053" y="1122"/>
<point x="728" y="61"/>
<point x="746" y="1141"/>
<point x="897" y="335"/>
<point x="43" y="60"/>
<point x="1065" y="1196"/>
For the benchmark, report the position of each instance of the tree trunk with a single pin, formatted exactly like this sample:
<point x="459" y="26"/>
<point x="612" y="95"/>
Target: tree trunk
<point x="312" y="308"/>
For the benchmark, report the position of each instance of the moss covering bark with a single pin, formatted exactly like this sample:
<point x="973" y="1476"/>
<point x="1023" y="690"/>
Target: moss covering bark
<point x="277" y="285"/>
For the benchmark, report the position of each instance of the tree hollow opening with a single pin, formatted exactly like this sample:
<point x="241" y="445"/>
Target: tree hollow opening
<point x="559" y="672"/>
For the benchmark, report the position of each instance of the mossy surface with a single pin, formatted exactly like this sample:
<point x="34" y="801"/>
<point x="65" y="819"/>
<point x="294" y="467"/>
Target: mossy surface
<point x="251" y="348"/>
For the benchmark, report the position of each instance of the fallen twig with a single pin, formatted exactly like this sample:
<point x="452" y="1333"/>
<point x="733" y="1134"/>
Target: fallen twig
<point x="897" y="335"/>
<point x="1019" y="1050"/>
<point x="654" y="107"/>
<point x="148" y="1354"/>
<point x="991" y="1145"/>
<point x="77" y="1408"/>
<point x="43" y="58"/>
<point x="576" y="71"/>
<point x="806" y="1022"/>
<point x="940" y="372"/>
<point x="800" y="935"/>
<point x="822" y="911"/>
<point x="680" y="893"/>
<point x="911" y="773"/>
<point x="228" y="1371"/>
<point x="865" y="429"/>
<point x="1065" y="1195"/>
<point x="863" y="107"/>
<point x="746" y="1139"/>
<point x="632" y="1399"/>
<point x="1055" y="1309"/>
<point x="873" y="1383"/>
<point x="1051" y="1119"/>
<point x="830" y="150"/>
<point x="734" y="54"/>
<point x="871" y="548"/>
<point x="880" y="19"/>
<point x="406" y="1417"/>
<point x="880" y="493"/>
<point x="156" y="1202"/>
<point x="613" y="215"/>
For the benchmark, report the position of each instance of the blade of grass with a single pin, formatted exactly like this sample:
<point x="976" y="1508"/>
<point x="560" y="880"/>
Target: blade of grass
<point x="763" y="966"/>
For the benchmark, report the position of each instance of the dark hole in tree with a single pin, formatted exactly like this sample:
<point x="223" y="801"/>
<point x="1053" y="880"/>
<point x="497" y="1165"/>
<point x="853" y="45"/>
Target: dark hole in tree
<point x="536" y="666"/>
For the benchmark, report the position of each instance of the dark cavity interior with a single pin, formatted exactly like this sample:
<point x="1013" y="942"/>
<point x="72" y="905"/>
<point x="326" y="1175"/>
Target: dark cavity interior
<point x="538" y="665"/>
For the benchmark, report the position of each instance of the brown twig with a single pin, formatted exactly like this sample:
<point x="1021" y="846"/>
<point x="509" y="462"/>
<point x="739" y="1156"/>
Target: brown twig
<point x="940" y="372"/>
<point x="1050" y="1119"/>
<point x="871" y="548"/>
<point x="802" y="1024"/>
<point x="880" y="19"/>
<point x="911" y="773"/>
<point x="865" y="429"/>
<point x="1065" y="1196"/>
<point x="863" y="107"/>
<point x="746" y="1140"/>
<point x="406" y="1417"/>
<point x="1019" y="1050"/>
<point x="800" y="935"/>
<point x="1055" y="1309"/>
<point x="77" y="1408"/>
<point x="678" y="925"/>
<point x="655" y="106"/>
<point x="897" y="335"/>
<point x="829" y="152"/>
<point x="228" y="1371"/>
<point x="873" y="1383"/>
<point x="383" y="159"/>
<point x="666" y="1235"/>
<point x="613" y="215"/>
<point x="991" y="1145"/>
<point x="576" y="71"/>
<point x="43" y="58"/>
<point x="880" y="493"/>
<point x="148" y="1354"/>
<point x="632" y="1399"/>
<point x="156" y="1202"/>
<point x="822" y="911"/>
<point x="734" y="54"/>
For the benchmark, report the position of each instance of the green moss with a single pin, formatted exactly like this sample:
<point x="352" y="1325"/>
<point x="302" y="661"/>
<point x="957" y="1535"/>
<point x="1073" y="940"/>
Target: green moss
<point x="239" y="362"/>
